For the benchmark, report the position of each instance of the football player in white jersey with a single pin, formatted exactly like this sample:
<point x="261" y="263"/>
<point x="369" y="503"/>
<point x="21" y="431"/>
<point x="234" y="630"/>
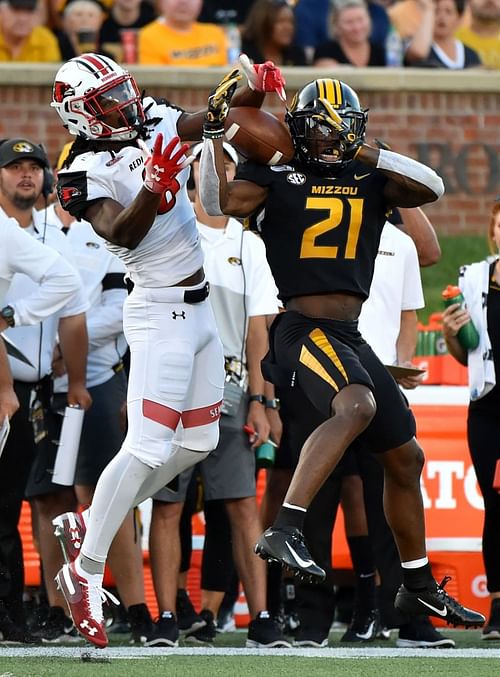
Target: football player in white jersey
<point x="120" y="178"/>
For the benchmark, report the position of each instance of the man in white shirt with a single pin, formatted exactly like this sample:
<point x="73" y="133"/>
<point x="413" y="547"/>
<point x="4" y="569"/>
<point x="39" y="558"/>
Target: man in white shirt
<point x="56" y="282"/>
<point x="24" y="176"/>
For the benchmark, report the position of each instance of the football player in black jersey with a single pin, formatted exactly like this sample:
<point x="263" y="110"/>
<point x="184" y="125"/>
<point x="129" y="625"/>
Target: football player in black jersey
<point x="321" y="218"/>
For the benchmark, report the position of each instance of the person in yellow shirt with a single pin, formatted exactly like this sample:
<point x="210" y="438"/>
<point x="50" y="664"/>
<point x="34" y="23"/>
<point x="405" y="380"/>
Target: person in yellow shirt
<point x="22" y="37"/>
<point x="483" y="32"/>
<point x="177" y="39"/>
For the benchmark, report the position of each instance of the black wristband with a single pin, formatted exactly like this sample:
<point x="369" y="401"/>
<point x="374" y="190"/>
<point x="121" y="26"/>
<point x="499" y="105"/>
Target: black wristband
<point x="273" y="404"/>
<point x="209" y="133"/>
<point x="258" y="398"/>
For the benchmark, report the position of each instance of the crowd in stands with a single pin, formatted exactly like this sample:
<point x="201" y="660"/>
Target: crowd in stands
<point x="452" y="34"/>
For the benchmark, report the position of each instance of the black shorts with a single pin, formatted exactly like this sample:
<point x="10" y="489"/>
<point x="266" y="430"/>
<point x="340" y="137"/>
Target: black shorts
<point x="320" y="357"/>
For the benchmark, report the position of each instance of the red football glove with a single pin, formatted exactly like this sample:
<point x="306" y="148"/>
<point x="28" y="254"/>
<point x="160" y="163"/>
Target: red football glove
<point x="264" y="77"/>
<point x="163" y="166"/>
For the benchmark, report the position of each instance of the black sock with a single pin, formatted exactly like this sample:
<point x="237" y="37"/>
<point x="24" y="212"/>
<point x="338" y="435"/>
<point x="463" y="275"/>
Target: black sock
<point x="364" y="568"/>
<point x="290" y="517"/>
<point x="418" y="579"/>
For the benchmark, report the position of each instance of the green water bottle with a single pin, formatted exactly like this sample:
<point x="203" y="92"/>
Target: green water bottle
<point x="467" y="336"/>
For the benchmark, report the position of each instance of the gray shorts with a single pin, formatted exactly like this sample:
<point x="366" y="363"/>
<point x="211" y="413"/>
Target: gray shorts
<point x="227" y="472"/>
<point x="101" y="438"/>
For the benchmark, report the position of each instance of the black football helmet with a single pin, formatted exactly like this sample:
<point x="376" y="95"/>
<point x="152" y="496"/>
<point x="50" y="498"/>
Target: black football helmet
<point x="327" y="124"/>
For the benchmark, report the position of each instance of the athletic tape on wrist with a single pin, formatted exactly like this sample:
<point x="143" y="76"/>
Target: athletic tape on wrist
<point x="209" y="180"/>
<point x="400" y="164"/>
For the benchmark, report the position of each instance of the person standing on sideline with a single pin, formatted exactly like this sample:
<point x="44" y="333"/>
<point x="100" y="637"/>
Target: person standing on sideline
<point x="24" y="177"/>
<point x="316" y="343"/>
<point x="480" y="285"/>
<point x="126" y="174"/>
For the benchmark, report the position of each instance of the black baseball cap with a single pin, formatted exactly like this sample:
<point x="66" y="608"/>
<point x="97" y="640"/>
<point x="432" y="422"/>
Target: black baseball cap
<point x="23" y="4"/>
<point x="13" y="150"/>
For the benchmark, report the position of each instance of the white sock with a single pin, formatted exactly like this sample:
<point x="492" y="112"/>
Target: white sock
<point x="415" y="563"/>
<point x="114" y="496"/>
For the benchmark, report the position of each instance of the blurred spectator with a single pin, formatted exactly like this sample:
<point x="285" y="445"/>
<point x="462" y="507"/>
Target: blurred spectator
<point x="483" y="33"/>
<point x="176" y="38"/>
<point x="312" y="26"/>
<point x="351" y="28"/>
<point x="405" y="16"/>
<point x="480" y="286"/>
<point x="22" y="35"/>
<point x="268" y="34"/>
<point x="125" y="15"/>
<point x="81" y="23"/>
<point x="225" y="12"/>
<point x="434" y="44"/>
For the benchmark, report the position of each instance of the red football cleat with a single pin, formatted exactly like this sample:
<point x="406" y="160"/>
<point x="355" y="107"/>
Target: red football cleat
<point x="84" y="600"/>
<point x="70" y="528"/>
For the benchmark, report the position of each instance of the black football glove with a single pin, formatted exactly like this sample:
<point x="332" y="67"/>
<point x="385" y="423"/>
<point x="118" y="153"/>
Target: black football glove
<point x="349" y="142"/>
<point x="218" y="105"/>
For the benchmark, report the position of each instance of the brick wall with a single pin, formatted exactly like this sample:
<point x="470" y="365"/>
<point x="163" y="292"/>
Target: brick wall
<point x="450" y="121"/>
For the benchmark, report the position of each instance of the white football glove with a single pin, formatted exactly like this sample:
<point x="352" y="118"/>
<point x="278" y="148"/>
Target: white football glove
<point x="264" y="77"/>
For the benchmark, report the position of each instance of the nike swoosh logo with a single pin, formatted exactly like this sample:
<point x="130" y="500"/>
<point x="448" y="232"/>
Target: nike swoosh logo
<point x="361" y="176"/>
<point x="301" y="562"/>
<point x="368" y="633"/>
<point x="442" y="612"/>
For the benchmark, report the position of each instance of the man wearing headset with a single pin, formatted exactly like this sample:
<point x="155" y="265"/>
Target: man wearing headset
<point x="24" y="177"/>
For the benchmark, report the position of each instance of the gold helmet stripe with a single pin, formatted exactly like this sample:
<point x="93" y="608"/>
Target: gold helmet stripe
<point x="331" y="90"/>
<point x="326" y="90"/>
<point x="338" y="92"/>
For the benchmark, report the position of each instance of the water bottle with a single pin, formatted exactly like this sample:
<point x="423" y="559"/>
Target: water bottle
<point x="467" y="336"/>
<point x="265" y="454"/>
<point x="394" y="49"/>
<point x="233" y="43"/>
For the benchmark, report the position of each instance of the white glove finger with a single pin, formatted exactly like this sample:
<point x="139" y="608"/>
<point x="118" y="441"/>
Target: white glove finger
<point x="248" y="69"/>
<point x="144" y="149"/>
<point x="185" y="163"/>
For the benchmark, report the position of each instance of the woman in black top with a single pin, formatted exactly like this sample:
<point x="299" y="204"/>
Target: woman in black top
<point x="351" y="44"/>
<point x="480" y="284"/>
<point x="268" y="34"/>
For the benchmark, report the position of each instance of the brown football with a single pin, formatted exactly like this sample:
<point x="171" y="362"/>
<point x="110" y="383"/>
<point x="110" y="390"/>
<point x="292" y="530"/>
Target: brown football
<point x="259" y="136"/>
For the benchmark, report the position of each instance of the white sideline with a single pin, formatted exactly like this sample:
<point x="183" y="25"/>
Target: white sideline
<point x="127" y="653"/>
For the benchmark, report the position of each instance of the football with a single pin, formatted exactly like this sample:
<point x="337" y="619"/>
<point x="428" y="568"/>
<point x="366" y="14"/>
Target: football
<point x="259" y="136"/>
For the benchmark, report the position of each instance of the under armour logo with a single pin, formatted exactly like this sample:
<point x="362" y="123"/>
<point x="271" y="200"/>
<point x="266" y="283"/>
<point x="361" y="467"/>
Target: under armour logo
<point x="157" y="170"/>
<point x="176" y="315"/>
<point x="74" y="535"/>
<point x="85" y="625"/>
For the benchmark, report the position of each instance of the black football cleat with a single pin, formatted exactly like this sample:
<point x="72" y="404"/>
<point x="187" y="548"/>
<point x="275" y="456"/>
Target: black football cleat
<point x="287" y="546"/>
<point x="436" y="602"/>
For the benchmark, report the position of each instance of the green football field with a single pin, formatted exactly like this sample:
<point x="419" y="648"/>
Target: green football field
<point x="470" y="658"/>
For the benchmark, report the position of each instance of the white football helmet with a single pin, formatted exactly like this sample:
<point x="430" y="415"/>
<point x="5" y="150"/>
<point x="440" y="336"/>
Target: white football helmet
<point x="97" y="99"/>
